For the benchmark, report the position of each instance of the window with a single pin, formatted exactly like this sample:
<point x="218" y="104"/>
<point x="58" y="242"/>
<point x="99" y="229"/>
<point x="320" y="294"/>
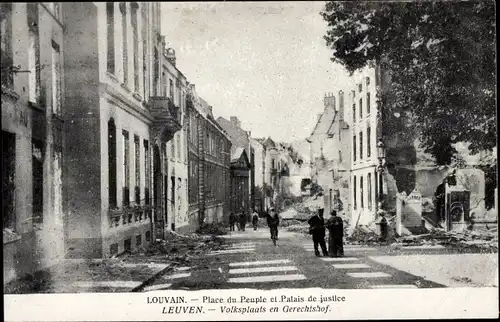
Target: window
<point x="144" y="61"/>
<point x="355" y="194"/>
<point x="369" y="182"/>
<point x="171" y="90"/>
<point x="137" y="151"/>
<point x="361" y="192"/>
<point x="367" y="81"/>
<point x="178" y="146"/>
<point x="360" y="108"/>
<point x="354" y="148"/>
<point x="112" y="163"/>
<point x="172" y="191"/>
<point x="353" y="94"/>
<point x="163" y="91"/>
<point x="8" y="180"/>
<point x="156" y="72"/>
<point x="135" y="33"/>
<point x="33" y="54"/>
<point x="273" y="164"/>
<point x="38" y="156"/>
<point x="340" y="156"/>
<point x="56" y="79"/>
<point x="360" y="145"/>
<point x="126" y="168"/>
<point x="146" y="172"/>
<point x="6" y="58"/>
<point x="354" y="112"/>
<point x="360" y="87"/>
<point x="172" y="145"/>
<point x="110" y="11"/>
<point x="123" y="10"/>
<point x="367" y="103"/>
<point x="368" y="141"/>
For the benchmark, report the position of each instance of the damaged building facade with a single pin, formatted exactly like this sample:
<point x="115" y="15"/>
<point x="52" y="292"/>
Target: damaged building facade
<point x="329" y="145"/>
<point x="389" y="163"/>
<point x="243" y="165"/>
<point x="32" y="85"/>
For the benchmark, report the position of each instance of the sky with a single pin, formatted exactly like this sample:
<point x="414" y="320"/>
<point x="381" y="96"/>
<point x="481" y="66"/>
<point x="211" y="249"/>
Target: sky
<point x="264" y="62"/>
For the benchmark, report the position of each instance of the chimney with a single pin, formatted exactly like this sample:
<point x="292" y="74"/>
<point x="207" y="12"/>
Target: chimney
<point x="235" y="121"/>
<point x="341" y="106"/>
<point x="171" y="55"/>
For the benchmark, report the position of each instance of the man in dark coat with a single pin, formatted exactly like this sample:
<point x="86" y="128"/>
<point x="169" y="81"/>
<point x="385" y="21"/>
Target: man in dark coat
<point x="317" y="230"/>
<point x="232" y="221"/>
<point x="335" y="227"/>
<point x="243" y="220"/>
<point x="273" y="221"/>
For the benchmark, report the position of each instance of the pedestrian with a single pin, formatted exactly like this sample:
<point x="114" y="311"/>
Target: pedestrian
<point x="317" y="230"/>
<point x="273" y="221"/>
<point x="335" y="227"/>
<point x="243" y="220"/>
<point x="232" y="221"/>
<point x="255" y="219"/>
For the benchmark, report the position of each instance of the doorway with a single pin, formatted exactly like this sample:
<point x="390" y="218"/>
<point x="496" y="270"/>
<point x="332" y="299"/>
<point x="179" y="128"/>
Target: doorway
<point x="157" y="191"/>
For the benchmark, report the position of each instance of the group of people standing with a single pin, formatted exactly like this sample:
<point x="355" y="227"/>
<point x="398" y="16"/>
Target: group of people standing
<point x="335" y="226"/>
<point x="240" y="220"/>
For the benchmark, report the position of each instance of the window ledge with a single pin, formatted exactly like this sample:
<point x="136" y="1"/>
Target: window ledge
<point x="138" y="97"/>
<point x="36" y="106"/>
<point x="112" y="77"/>
<point x="9" y="236"/>
<point x="125" y="87"/>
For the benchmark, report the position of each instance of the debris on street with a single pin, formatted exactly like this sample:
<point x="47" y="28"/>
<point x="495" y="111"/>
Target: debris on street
<point x="177" y="249"/>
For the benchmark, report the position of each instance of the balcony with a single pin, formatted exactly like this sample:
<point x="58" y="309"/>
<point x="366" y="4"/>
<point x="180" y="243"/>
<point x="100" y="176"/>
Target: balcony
<point x="166" y="117"/>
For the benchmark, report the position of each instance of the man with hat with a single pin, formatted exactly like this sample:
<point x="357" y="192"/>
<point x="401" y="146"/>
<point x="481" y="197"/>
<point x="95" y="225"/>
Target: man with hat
<point x="317" y="230"/>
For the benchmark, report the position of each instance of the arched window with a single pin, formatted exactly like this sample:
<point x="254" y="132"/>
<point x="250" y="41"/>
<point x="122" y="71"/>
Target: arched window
<point x="112" y="163"/>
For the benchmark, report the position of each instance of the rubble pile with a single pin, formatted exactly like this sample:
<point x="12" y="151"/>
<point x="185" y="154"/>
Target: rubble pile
<point x="291" y="222"/>
<point x="302" y="228"/>
<point x="484" y="240"/>
<point x="177" y="249"/>
<point x="213" y="229"/>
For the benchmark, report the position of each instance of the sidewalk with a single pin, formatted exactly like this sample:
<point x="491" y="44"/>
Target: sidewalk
<point x="452" y="270"/>
<point x="93" y="275"/>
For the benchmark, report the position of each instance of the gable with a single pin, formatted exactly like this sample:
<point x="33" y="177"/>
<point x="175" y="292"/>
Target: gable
<point x="324" y="124"/>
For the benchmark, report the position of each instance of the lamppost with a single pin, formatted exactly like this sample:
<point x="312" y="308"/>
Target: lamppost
<point x="380" y="171"/>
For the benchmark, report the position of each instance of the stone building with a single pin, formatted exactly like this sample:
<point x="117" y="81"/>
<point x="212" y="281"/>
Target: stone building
<point x="364" y="178"/>
<point x="240" y="182"/>
<point x="120" y="112"/>
<point x="209" y="155"/>
<point x="175" y="160"/>
<point x="32" y="85"/>
<point x="241" y="139"/>
<point x="270" y="172"/>
<point x="330" y="149"/>
<point x="260" y="172"/>
<point x="406" y="166"/>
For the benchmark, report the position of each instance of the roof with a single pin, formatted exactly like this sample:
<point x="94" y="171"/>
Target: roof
<point x="269" y="143"/>
<point x="325" y="123"/>
<point x="237" y="154"/>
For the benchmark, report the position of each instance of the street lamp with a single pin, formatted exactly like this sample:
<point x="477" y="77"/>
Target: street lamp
<point x="380" y="170"/>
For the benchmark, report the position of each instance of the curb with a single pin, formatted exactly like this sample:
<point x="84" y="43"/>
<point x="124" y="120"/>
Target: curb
<point x="151" y="279"/>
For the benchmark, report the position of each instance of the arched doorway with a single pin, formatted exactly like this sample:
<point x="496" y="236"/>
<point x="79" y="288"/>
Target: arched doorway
<point x="157" y="193"/>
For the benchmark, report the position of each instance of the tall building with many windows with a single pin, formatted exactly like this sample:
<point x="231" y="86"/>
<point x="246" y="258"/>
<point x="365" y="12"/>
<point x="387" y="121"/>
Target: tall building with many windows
<point x="363" y="134"/>
<point x="33" y="105"/>
<point x="208" y="152"/>
<point x="123" y="107"/>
